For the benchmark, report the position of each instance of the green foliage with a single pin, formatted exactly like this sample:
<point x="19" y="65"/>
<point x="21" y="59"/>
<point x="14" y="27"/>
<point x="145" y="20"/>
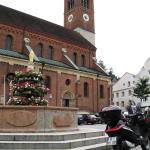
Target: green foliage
<point x="142" y="89"/>
<point x="114" y="78"/>
<point x="101" y="63"/>
<point x="112" y="75"/>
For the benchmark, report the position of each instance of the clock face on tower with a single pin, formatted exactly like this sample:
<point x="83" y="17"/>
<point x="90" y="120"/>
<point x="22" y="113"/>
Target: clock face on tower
<point x="70" y="18"/>
<point x="85" y="17"/>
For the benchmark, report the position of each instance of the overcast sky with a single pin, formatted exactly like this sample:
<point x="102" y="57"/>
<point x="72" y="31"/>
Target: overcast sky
<point x="122" y="29"/>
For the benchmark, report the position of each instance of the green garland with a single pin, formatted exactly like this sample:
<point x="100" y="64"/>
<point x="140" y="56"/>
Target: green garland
<point x="28" y="89"/>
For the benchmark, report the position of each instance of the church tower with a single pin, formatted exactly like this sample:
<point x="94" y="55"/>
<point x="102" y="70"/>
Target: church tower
<point x="79" y="16"/>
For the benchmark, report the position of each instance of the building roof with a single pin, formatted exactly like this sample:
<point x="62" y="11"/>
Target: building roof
<point x="55" y="63"/>
<point x="33" y="24"/>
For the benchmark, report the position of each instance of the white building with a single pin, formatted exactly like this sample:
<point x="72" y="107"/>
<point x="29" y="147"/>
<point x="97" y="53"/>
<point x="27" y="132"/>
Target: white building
<point x="123" y="89"/>
<point x="144" y="73"/>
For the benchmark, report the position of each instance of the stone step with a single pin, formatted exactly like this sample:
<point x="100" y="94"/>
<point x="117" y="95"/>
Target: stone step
<point x="48" y="136"/>
<point x="67" y="144"/>
<point x="101" y="146"/>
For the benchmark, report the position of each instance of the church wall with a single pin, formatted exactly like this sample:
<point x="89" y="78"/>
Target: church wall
<point x="15" y="33"/>
<point x="59" y="87"/>
<point x="52" y="101"/>
<point x="58" y="75"/>
<point x="86" y="103"/>
<point x="106" y="100"/>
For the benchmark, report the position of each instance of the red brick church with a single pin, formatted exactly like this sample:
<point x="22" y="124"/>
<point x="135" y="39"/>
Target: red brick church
<point x="66" y="55"/>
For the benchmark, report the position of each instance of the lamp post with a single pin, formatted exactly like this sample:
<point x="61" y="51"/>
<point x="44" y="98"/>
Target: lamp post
<point x="110" y="92"/>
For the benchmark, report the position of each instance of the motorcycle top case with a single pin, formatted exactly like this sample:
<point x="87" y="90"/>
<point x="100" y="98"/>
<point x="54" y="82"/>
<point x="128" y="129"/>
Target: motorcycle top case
<point x="111" y="113"/>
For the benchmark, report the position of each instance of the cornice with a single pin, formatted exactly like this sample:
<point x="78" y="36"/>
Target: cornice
<point x="38" y="65"/>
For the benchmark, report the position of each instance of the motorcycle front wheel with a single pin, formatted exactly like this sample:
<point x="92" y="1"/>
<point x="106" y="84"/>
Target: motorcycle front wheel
<point x="147" y="143"/>
<point x="121" y="146"/>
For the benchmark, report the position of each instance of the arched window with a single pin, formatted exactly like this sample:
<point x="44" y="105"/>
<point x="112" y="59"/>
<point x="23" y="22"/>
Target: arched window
<point x="85" y="3"/>
<point x="50" y="52"/>
<point x="82" y="60"/>
<point x="48" y="82"/>
<point x="70" y="4"/>
<point x="8" y="42"/>
<point x="75" y="58"/>
<point x="101" y="91"/>
<point x="39" y="50"/>
<point x="86" y="89"/>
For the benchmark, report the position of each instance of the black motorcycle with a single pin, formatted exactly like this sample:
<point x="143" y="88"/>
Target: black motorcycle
<point x="120" y="135"/>
<point x="139" y="122"/>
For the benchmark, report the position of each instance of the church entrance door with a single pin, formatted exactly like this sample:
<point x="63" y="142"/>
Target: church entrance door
<point x="68" y="100"/>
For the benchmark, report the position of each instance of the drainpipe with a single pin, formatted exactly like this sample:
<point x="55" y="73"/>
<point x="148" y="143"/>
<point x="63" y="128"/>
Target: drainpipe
<point x="97" y="95"/>
<point x="110" y="92"/>
<point x="4" y="90"/>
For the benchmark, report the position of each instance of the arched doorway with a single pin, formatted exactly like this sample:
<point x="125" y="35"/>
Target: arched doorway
<point x="68" y="100"/>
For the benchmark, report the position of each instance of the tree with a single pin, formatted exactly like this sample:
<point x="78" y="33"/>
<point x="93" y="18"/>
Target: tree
<point x="114" y="78"/>
<point x="142" y="89"/>
<point x="101" y="63"/>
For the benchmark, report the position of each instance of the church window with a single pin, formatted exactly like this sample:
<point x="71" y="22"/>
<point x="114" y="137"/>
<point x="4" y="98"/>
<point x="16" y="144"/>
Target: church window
<point x="70" y="4"/>
<point x="48" y="82"/>
<point x="122" y="94"/>
<point x="101" y="91"/>
<point x="39" y="50"/>
<point x="68" y="82"/>
<point x="75" y="58"/>
<point x="82" y="60"/>
<point x="85" y="4"/>
<point x="86" y="89"/>
<point x="50" y="52"/>
<point x="8" y="42"/>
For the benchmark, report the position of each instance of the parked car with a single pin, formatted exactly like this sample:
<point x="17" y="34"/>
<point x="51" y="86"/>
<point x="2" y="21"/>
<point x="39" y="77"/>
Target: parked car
<point x="89" y="119"/>
<point x="80" y="119"/>
<point x="99" y="119"/>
